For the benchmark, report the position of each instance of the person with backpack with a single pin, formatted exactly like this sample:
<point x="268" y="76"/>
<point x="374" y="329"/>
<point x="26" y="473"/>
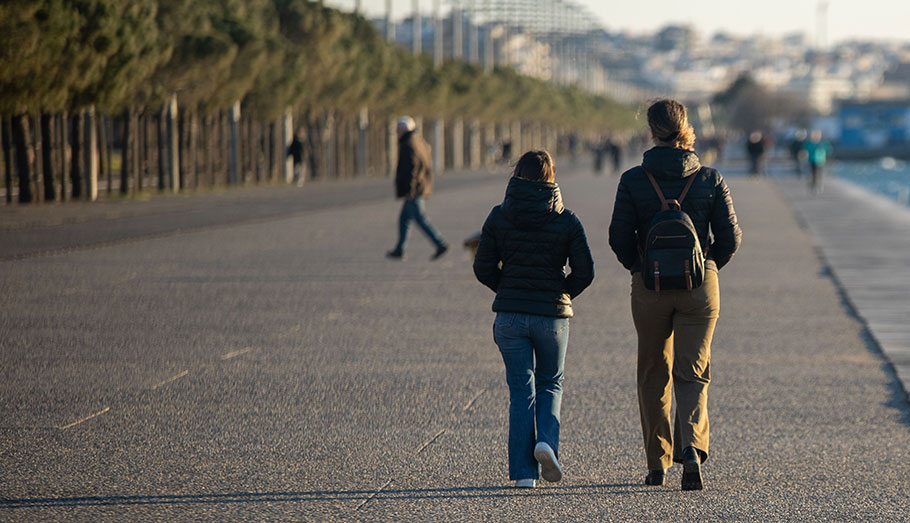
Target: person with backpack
<point x="673" y="228"/>
<point x="524" y="246"/>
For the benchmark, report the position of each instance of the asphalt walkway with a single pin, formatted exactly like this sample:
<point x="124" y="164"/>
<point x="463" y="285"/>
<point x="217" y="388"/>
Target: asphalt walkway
<point x="280" y="368"/>
<point x="864" y="239"/>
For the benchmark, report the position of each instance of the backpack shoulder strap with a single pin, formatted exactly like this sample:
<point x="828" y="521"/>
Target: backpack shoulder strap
<point x="666" y="204"/>
<point x="688" y="186"/>
<point x="660" y="194"/>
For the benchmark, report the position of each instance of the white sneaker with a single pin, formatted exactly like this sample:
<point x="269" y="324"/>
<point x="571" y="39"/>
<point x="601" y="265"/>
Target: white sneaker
<point x="549" y="467"/>
<point x="525" y="483"/>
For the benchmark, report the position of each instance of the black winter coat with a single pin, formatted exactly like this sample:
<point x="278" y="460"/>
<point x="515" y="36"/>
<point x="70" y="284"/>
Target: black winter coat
<point x="533" y="235"/>
<point x="708" y="204"/>
<point x="414" y="175"/>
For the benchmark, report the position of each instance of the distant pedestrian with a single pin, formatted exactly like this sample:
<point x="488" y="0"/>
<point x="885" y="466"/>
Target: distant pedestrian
<point x="817" y="152"/>
<point x="506" y="155"/>
<point x="600" y="150"/>
<point x="295" y="151"/>
<point x="524" y="246"/>
<point x="414" y="183"/>
<point x="756" y="147"/>
<point x="616" y="151"/>
<point x="798" y="151"/>
<point x="674" y="318"/>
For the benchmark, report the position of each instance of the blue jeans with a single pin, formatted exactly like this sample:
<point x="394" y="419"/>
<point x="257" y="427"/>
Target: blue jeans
<point x="535" y="391"/>
<point x="414" y="210"/>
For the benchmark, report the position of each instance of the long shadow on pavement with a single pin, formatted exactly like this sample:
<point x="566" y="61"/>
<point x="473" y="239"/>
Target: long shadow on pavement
<point x="316" y="495"/>
<point x="899" y="398"/>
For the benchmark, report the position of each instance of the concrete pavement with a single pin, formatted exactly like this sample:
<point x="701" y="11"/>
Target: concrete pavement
<point x="282" y="369"/>
<point x="864" y="239"/>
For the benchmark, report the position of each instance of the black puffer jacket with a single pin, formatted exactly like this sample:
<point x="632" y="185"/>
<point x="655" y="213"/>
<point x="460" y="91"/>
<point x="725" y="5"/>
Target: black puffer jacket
<point x="708" y="203"/>
<point x="533" y="235"/>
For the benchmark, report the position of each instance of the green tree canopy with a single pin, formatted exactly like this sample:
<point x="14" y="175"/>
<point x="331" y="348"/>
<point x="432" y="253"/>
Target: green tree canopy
<point x="269" y="54"/>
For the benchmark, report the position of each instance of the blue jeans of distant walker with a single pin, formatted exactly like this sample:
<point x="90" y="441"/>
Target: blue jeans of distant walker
<point x="535" y="388"/>
<point x="414" y="210"/>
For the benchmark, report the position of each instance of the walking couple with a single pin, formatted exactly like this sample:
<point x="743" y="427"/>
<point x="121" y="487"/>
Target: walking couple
<point x="525" y="244"/>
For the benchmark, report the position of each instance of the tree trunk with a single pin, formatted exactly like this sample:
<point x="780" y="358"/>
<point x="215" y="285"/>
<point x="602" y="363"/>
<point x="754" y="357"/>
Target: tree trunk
<point x="7" y="158"/>
<point x="328" y="139"/>
<point x="91" y="153"/>
<point x="173" y="143"/>
<point x="203" y="165"/>
<point x="162" y="153"/>
<point x="242" y="148"/>
<point x="76" y="156"/>
<point x="22" y="142"/>
<point x="287" y="163"/>
<point x="140" y="150"/>
<point x="317" y="146"/>
<point x="207" y="139"/>
<point x="272" y="148"/>
<point x="105" y="163"/>
<point x="126" y="148"/>
<point x="248" y="147"/>
<point x="148" y="141"/>
<point x="181" y="147"/>
<point x="234" y="147"/>
<point x="36" y="157"/>
<point x="257" y="148"/>
<point x="151" y="147"/>
<point x="192" y="168"/>
<point x="64" y="148"/>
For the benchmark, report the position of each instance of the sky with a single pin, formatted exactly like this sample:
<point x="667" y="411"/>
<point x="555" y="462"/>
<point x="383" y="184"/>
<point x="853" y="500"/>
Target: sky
<point x="846" y="19"/>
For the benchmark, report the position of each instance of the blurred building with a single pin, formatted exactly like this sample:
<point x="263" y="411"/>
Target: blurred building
<point x="562" y="43"/>
<point x="870" y="129"/>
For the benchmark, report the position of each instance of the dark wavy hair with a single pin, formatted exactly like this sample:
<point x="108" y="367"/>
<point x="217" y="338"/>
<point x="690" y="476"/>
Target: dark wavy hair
<point x="536" y="166"/>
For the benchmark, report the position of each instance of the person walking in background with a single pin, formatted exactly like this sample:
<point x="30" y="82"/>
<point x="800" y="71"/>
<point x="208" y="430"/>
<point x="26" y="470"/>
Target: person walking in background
<point x="414" y="183"/>
<point x="295" y="151"/>
<point x="524" y="246"/>
<point x="600" y="150"/>
<point x="798" y="151"/>
<point x="756" y="147"/>
<point x="616" y="151"/>
<point x="817" y="152"/>
<point x="675" y="324"/>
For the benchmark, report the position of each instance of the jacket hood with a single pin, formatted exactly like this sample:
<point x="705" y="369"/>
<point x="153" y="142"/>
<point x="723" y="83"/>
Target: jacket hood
<point x="529" y="204"/>
<point x="670" y="163"/>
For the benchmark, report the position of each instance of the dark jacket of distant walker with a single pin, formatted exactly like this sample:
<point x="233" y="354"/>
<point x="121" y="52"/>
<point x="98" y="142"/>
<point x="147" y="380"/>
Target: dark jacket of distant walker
<point x="533" y="235"/>
<point x="707" y="203"/>
<point x="414" y="176"/>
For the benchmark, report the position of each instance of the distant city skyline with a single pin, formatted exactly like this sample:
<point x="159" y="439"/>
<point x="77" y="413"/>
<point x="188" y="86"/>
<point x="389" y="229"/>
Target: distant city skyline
<point x="846" y="19"/>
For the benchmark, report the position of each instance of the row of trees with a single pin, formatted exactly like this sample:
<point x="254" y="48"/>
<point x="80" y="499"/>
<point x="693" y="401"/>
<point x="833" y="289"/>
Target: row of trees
<point x="178" y="93"/>
<point x="746" y="106"/>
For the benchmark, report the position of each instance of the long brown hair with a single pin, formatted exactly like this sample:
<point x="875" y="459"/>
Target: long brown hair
<point x="669" y="124"/>
<point x="536" y="166"/>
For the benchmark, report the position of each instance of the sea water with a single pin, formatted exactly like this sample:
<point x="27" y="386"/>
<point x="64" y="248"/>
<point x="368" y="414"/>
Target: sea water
<point x="886" y="176"/>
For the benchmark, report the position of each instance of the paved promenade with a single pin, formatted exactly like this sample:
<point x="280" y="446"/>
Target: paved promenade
<point x="273" y="365"/>
<point x="864" y="239"/>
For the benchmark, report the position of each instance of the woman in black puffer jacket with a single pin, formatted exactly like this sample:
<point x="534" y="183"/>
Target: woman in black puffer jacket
<point x="533" y="236"/>
<point x="674" y="327"/>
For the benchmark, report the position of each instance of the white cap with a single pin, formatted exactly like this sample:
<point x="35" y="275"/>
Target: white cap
<point x="406" y="124"/>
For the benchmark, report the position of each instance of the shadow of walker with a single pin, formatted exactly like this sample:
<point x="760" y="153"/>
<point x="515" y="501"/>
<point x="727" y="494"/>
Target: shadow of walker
<point x="321" y="495"/>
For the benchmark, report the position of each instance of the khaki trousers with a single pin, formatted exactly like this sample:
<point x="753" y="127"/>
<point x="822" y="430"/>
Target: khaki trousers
<point x="674" y="352"/>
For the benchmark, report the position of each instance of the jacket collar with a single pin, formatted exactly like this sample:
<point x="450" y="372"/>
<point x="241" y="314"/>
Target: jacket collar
<point x="670" y="163"/>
